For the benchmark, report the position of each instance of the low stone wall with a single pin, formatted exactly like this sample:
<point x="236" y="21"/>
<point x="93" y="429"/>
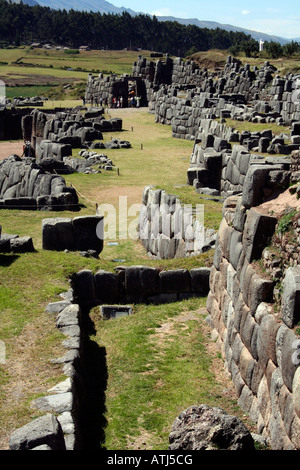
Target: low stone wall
<point x="15" y="244"/>
<point x="138" y="284"/>
<point x="60" y="427"/>
<point x="84" y="233"/>
<point x="170" y="229"/>
<point x="229" y="168"/>
<point x="25" y="185"/>
<point x="259" y="349"/>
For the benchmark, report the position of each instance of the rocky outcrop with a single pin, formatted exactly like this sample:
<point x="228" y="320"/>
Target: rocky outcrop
<point x="209" y="428"/>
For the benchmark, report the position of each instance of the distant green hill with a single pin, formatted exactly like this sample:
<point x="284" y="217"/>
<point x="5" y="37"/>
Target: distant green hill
<point x="102" y="6"/>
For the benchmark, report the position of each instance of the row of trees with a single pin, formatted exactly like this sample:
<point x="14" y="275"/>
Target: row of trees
<point x="272" y="49"/>
<point x="20" y="23"/>
<point x="275" y="50"/>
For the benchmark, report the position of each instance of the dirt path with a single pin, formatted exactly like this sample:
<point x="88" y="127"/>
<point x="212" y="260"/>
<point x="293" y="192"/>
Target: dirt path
<point x="9" y="148"/>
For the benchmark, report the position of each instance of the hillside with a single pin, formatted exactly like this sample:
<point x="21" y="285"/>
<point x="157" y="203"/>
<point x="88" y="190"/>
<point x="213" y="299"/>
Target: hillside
<point x="104" y="7"/>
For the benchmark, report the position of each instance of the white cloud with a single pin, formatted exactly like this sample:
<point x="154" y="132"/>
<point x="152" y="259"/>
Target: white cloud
<point x="245" y="12"/>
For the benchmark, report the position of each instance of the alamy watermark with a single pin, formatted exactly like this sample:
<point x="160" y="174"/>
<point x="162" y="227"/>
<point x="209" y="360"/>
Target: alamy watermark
<point x="139" y="222"/>
<point x="2" y="93"/>
<point x="2" y="353"/>
<point x="296" y="92"/>
<point x="296" y="354"/>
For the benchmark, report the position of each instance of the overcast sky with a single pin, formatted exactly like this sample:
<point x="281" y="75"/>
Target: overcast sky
<point x="276" y="17"/>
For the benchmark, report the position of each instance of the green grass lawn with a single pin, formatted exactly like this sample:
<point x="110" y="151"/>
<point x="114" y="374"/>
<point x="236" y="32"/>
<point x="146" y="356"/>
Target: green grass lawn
<point x="158" y="365"/>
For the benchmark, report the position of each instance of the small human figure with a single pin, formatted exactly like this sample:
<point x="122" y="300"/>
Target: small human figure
<point x="27" y="151"/>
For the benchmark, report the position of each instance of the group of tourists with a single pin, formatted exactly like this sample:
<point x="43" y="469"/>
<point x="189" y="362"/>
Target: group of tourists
<point x="117" y="102"/>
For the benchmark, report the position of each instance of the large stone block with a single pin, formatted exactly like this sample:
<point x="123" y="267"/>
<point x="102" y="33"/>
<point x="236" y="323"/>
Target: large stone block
<point x="291" y="297"/>
<point x="200" y="280"/>
<point x="254" y="184"/>
<point x="83" y="284"/>
<point x="58" y="234"/>
<point x="289" y="358"/>
<point x="107" y="286"/>
<point x="258" y="230"/>
<point x="88" y="233"/>
<point x="141" y="281"/>
<point x="45" y="430"/>
<point x="266" y="342"/>
<point x="205" y="428"/>
<point x="174" y="281"/>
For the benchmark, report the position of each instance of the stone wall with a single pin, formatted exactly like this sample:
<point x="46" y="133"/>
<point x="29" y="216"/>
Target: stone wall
<point x="222" y="161"/>
<point x="61" y="426"/>
<point x="138" y="284"/>
<point x="83" y="233"/>
<point x="25" y="185"/>
<point x="256" y="344"/>
<point x="170" y="229"/>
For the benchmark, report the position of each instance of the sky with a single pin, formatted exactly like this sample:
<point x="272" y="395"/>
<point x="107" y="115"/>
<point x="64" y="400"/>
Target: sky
<point x="276" y="17"/>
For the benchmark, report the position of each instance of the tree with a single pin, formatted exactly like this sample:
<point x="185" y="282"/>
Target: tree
<point x="290" y="48"/>
<point x="273" y="49"/>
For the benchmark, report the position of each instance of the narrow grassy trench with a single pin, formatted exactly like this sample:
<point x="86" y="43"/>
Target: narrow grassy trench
<point x="143" y="370"/>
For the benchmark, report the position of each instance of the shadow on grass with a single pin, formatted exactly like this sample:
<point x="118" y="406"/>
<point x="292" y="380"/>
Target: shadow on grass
<point x="92" y="407"/>
<point x="7" y="260"/>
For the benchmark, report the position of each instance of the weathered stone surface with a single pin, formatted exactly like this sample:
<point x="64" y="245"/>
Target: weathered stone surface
<point x="55" y="403"/>
<point x="45" y="430"/>
<point x="174" y="281"/>
<point x="84" y="285"/>
<point x="291" y="297"/>
<point x="21" y="245"/>
<point x="87" y="233"/>
<point x="266" y="342"/>
<point x="205" y="428"/>
<point x="200" y="280"/>
<point x="23" y="182"/>
<point x="257" y="231"/>
<point x="58" y="234"/>
<point x="80" y="234"/>
<point x="69" y="316"/>
<point x="107" y="286"/>
<point x="141" y="280"/>
<point x="289" y="362"/>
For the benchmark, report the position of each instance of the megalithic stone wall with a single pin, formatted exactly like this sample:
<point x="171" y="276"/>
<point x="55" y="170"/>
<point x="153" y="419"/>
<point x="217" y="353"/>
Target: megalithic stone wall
<point x="259" y="349"/>
<point x="168" y="228"/>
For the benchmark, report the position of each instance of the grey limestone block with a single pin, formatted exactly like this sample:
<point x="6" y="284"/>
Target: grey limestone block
<point x="258" y="230"/>
<point x="291" y="297"/>
<point x="174" y="281"/>
<point x="58" y="234"/>
<point x="107" y="286"/>
<point x="43" y="431"/>
<point x="141" y="281"/>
